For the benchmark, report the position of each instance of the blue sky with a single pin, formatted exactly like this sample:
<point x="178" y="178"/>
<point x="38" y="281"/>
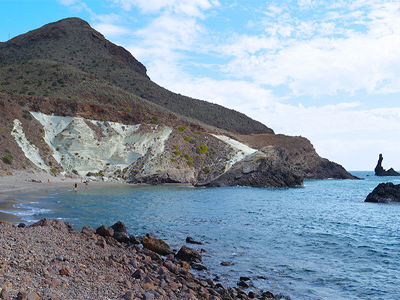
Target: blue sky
<point x="325" y="70"/>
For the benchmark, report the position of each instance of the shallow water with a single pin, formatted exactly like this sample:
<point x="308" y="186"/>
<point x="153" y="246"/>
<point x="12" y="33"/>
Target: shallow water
<point x="320" y="241"/>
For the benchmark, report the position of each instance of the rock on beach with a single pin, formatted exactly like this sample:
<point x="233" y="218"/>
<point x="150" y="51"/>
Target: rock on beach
<point x="50" y="260"/>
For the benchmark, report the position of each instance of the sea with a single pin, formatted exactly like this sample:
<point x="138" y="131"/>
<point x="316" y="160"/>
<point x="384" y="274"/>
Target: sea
<point x="318" y="241"/>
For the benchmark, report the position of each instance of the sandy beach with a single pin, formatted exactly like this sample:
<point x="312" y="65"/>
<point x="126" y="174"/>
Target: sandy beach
<point x="16" y="186"/>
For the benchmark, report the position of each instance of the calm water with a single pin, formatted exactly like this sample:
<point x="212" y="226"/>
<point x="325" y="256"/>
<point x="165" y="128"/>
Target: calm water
<point x="320" y="241"/>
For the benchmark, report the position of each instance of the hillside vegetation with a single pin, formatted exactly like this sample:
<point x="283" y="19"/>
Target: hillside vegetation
<point x="70" y="60"/>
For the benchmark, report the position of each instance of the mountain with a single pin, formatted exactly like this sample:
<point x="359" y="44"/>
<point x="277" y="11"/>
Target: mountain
<point x="73" y="103"/>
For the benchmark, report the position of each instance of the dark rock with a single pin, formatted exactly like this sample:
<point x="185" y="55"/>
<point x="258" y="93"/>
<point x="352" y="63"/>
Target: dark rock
<point x="385" y="193"/>
<point x="156" y="245"/>
<point x="253" y="295"/>
<point x="104" y="231"/>
<point x="259" y="170"/>
<point x="138" y="274"/>
<point x="120" y="232"/>
<point x="121" y="237"/>
<point x="199" y="267"/>
<point x="268" y="295"/>
<point x="154" y="179"/>
<point x="225" y="264"/>
<point x="22" y="296"/>
<point x="88" y="230"/>
<point x="245" y="278"/>
<point x="380" y="171"/>
<point x="188" y="254"/>
<point x="153" y="255"/>
<point x="21" y="225"/>
<point x="243" y="284"/>
<point x="119" y="227"/>
<point x="134" y="240"/>
<point x="190" y="240"/>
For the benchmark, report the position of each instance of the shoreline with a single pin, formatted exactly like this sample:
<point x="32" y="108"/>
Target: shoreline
<point x="20" y="186"/>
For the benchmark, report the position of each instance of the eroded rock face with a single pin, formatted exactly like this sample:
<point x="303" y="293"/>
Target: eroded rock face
<point x="380" y="171"/>
<point x="259" y="170"/>
<point x="385" y="193"/>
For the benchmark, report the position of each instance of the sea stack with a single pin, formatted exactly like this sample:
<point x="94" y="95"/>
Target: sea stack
<point x="380" y="171"/>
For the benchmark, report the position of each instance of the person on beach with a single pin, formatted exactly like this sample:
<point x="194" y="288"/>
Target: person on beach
<point x="76" y="186"/>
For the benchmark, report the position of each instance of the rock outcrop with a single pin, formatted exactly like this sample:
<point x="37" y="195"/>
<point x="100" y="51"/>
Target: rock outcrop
<point x="380" y="171"/>
<point x="385" y="193"/>
<point x="258" y="170"/>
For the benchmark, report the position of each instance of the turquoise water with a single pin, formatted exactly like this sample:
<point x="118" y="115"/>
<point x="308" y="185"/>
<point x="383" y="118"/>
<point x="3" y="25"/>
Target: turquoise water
<point x="320" y="241"/>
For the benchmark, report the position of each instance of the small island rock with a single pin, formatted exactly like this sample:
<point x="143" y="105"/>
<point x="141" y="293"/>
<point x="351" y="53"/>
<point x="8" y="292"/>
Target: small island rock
<point x="385" y="193"/>
<point x="380" y="171"/>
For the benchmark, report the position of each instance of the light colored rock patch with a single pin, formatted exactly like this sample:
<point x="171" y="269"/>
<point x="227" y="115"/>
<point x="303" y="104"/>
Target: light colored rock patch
<point x="239" y="153"/>
<point x="77" y="147"/>
<point x="30" y="151"/>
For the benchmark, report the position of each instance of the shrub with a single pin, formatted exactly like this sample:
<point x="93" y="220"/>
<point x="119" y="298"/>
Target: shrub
<point x="8" y="159"/>
<point x="155" y="119"/>
<point x="206" y="170"/>
<point x="202" y="149"/>
<point x="190" y="163"/>
<point x="177" y="153"/>
<point x="182" y="128"/>
<point x="75" y="172"/>
<point x="173" y="159"/>
<point x="187" y="157"/>
<point x="53" y="170"/>
<point x="187" y="138"/>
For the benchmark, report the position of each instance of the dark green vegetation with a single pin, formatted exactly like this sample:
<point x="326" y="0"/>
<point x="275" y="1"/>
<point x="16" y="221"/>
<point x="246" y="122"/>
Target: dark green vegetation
<point x="69" y="60"/>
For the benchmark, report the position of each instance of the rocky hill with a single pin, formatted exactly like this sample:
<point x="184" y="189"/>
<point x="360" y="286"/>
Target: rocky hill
<point x="75" y="104"/>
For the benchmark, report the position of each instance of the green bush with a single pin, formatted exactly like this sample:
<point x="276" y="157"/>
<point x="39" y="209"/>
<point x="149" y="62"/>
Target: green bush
<point x="155" y="119"/>
<point x="182" y="128"/>
<point x="8" y="159"/>
<point x="206" y="170"/>
<point x="190" y="163"/>
<point x="177" y="153"/>
<point x="202" y="149"/>
<point x="54" y="171"/>
<point x="187" y="157"/>
<point x="187" y="138"/>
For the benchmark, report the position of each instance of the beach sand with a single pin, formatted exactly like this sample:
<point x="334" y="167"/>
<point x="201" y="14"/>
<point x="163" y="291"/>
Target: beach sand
<point x="24" y="184"/>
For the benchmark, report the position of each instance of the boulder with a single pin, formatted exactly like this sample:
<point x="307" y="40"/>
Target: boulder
<point x="259" y="170"/>
<point x="380" y="171"/>
<point x="385" y="193"/>
<point x="188" y="254"/>
<point x="88" y="230"/>
<point x="190" y="240"/>
<point x="120" y="232"/>
<point x="156" y="245"/>
<point x="105" y="231"/>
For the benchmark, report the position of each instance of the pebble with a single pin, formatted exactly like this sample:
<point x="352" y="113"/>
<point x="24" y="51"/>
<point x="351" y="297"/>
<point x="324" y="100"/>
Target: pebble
<point x="64" y="264"/>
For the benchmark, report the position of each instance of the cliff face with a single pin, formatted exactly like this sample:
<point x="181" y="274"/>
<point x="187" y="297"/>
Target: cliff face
<point x="73" y="103"/>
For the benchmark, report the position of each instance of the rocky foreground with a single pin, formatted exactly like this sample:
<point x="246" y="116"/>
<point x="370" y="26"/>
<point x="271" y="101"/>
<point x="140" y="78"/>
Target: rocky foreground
<point x="50" y="260"/>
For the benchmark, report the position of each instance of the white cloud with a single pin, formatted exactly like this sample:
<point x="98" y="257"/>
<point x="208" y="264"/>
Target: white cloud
<point x="321" y="57"/>
<point x="68" y="2"/>
<point x="110" y="30"/>
<point x="187" y="7"/>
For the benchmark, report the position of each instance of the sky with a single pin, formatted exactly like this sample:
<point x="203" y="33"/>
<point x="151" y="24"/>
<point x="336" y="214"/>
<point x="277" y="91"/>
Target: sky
<point x="325" y="70"/>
